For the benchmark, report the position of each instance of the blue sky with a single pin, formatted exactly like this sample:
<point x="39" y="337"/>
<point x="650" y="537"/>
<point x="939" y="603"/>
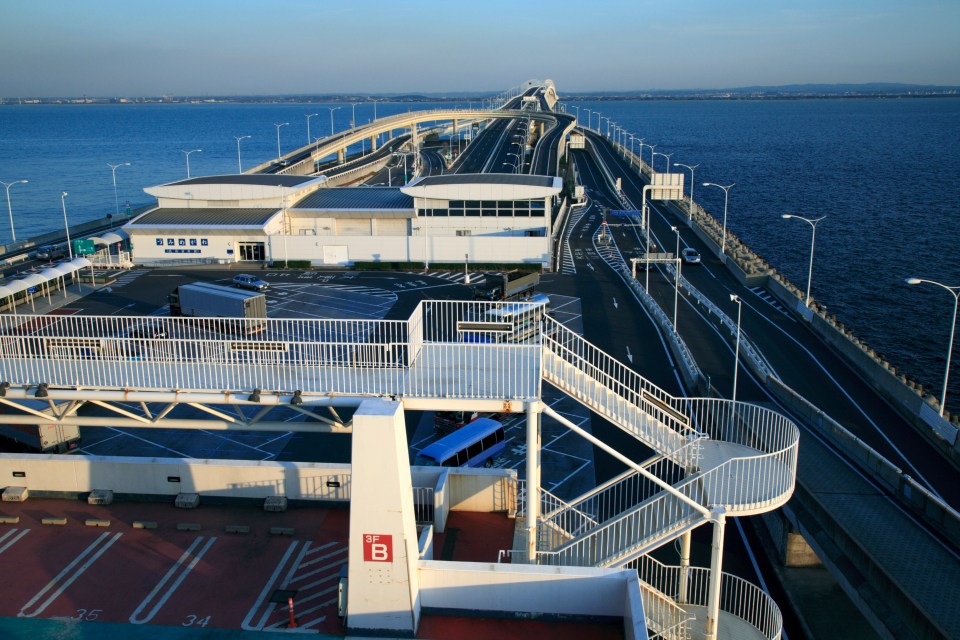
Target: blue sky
<point x="141" y="47"/>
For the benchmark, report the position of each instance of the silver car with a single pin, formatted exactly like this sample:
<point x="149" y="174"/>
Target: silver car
<point x="246" y="281"/>
<point x="690" y="256"/>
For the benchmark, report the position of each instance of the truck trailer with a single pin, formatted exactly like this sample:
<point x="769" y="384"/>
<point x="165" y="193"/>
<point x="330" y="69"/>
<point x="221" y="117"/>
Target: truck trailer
<point x="206" y="300"/>
<point x="45" y="438"/>
<point x="507" y="285"/>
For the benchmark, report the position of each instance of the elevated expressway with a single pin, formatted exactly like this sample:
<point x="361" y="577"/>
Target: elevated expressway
<point x="894" y="560"/>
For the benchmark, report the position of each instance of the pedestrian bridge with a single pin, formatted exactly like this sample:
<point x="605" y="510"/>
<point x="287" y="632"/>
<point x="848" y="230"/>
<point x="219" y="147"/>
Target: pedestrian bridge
<point x="710" y="458"/>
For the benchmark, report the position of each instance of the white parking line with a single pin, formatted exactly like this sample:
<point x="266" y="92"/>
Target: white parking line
<point x="69" y="574"/>
<point x="178" y="567"/>
<point x="14" y="540"/>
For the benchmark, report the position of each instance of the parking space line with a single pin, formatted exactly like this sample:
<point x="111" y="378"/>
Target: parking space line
<point x="271" y="585"/>
<point x="14" y="541"/>
<point x="178" y="567"/>
<point x="69" y="574"/>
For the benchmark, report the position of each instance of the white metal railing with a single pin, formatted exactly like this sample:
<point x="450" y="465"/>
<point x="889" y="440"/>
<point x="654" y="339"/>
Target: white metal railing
<point x="424" y="356"/>
<point x="614" y="390"/>
<point x="751" y="469"/>
<point x="689" y="587"/>
<point x="666" y="620"/>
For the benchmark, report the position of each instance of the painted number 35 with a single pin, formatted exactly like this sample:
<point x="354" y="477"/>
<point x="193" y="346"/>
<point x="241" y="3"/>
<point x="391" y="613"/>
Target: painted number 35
<point x="88" y="614"/>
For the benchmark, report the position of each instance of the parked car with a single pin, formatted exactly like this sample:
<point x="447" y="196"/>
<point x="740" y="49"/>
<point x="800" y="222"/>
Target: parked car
<point x="246" y="281"/>
<point x="51" y="252"/>
<point x="146" y="330"/>
<point x="690" y="256"/>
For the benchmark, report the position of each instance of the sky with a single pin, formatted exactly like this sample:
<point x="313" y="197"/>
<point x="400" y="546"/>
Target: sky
<point x="262" y="47"/>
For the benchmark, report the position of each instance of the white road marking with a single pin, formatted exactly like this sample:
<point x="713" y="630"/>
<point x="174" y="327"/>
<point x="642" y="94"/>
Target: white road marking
<point x="15" y="539"/>
<point x="69" y="574"/>
<point x="184" y="572"/>
<point x="267" y="588"/>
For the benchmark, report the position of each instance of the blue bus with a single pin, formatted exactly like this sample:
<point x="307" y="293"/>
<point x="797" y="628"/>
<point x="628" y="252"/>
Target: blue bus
<point x="476" y="444"/>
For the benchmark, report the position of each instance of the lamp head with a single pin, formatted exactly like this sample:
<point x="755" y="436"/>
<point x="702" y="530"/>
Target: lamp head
<point x="787" y="216"/>
<point x="912" y="280"/>
<point x="64" y="194"/>
<point x="734" y="297"/>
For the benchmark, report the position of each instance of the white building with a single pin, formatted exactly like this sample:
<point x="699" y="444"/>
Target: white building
<point x="267" y="218"/>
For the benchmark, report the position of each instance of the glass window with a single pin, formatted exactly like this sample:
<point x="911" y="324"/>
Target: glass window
<point x="473" y="212"/>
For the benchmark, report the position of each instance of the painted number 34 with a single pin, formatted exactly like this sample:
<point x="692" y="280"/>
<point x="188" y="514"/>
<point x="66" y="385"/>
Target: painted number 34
<point x="195" y="621"/>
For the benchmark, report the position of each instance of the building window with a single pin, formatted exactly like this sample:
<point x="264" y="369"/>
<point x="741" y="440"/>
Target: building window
<point x="463" y="232"/>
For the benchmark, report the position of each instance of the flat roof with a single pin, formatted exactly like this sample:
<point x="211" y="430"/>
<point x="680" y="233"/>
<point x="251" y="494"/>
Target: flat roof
<point x="269" y="180"/>
<point x="202" y="217"/>
<point x="354" y="198"/>
<point x="484" y="178"/>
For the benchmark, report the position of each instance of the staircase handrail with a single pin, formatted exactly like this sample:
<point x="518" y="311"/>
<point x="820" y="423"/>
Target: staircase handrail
<point x="648" y="396"/>
<point x="738" y="597"/>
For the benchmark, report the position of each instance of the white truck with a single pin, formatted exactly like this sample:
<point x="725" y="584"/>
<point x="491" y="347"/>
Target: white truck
<point x="207" y="300"/>
<point x="45" y="438"/>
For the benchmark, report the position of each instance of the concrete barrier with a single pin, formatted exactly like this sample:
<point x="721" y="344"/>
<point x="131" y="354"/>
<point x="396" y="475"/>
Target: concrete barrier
<point x="915" y="497"/>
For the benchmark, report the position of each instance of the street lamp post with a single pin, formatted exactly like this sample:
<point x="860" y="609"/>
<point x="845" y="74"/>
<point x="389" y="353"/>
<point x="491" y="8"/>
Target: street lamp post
<point x="331" y="109"/>
<point x="278" y="125"/>
<point x="813" y="240"/>
<point x="578" y="113"/>
<point x="187" y="153"/>
<point x="692" y="169"/>
<point x="66" y="225"/>
<point x="308" y="116"/>
<point x="589" y="117"/>
<point x="7" y="186"/>
<point x="955" y="291"/>
<point x="726" y="196"/>
<point x="113" y="170"/>
<point x="665" y="155"/>
<point x="239" y="164"/>
<point x="676" y="278"/>
<point x="736" y="354"/>
<point x="353" y="114"/>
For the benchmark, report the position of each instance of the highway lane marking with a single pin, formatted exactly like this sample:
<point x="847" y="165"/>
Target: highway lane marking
<point x="14" y="540"/>
<point x="855" y="404"/>
<point x="69" y="574"/>
<point x="629" y="355"/>
<point x="184" y="571"/>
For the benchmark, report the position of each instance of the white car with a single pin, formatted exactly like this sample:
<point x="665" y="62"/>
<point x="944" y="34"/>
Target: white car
<point x="690" y="256"/>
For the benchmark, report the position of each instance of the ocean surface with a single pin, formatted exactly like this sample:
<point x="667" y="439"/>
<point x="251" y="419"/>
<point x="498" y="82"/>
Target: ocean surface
<point x="885" y="172"/>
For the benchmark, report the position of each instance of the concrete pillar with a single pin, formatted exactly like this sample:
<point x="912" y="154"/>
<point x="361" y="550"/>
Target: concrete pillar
<point x="533" y="478"/>
<point x="373" y="143"/>
<point x="340" y="154"/>
<point x="414" y="138"/>
<point x="383" y="588"/>
<point x="798" y="552"/>
<point x="716" y="573"/>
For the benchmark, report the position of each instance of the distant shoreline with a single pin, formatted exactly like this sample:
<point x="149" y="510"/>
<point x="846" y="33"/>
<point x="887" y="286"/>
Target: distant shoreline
<point x="678" y="97"/>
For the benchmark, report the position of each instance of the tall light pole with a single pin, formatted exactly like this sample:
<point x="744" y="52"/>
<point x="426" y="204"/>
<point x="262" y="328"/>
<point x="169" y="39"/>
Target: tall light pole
<point x="7" y="186"/>
<point x="955" y="291"/>
<point x="278" y="125"/>
<point x="726" y="196"/>
<point x="238" y="139"/>
<point x="692" y="169"/>
<point x="736" y="354"/>
<point x="113" y="169"/>
<point x="676" y="278"/>
<point x="599" y="118"/>
<point x="308" y="116"/>
<point x="375" y="109"/>
<point x="66" y="225"/>
<point x="353" y="114"/>
<point x="331" y="109"/>
<point x="589" y="117"/>
<point x="665" y="155"/>
<point x="652" y="147"/>
<point x="578" y="113"/>
<point x="187" y="153"/>
<point x="813" y="240"/>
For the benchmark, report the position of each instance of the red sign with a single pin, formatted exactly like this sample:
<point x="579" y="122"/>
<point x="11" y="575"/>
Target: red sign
<point x="377" y="547"/>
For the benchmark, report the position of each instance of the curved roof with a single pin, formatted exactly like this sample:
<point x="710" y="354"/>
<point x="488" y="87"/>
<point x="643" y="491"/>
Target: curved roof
<point x="483" y="186"/>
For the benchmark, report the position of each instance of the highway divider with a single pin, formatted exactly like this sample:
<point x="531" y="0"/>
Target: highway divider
<point x="918" y="499"/>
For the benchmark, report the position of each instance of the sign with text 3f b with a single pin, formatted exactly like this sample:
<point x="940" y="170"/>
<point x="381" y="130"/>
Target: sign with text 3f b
<point x="377" y="547"/>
